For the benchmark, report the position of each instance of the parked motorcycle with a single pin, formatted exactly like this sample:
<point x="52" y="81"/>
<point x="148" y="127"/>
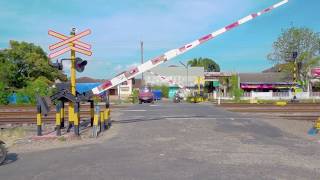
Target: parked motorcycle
<point x="177" y="98"/>
<point x="3" y="152"/>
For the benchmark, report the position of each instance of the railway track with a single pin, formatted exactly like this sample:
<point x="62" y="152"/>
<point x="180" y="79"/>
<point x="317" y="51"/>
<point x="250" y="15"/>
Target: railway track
<point x="16" y="115"/>
<point x="294" y="111"/>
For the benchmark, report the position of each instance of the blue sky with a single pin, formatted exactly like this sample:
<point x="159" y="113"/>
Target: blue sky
<point x="119" y="26"/>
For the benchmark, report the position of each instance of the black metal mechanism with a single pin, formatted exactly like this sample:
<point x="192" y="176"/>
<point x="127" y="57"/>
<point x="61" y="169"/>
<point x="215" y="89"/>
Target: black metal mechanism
<point x="64" y="95"/>
<point x="59" y="99"/>
<point x="80" y="64"/>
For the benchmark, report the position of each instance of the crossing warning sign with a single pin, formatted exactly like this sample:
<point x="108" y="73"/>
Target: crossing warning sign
<point x="73" y="43"/>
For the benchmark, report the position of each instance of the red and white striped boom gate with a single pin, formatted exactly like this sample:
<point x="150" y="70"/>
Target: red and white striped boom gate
<point x="175" y="52"/>
<point x="168" y="80"/>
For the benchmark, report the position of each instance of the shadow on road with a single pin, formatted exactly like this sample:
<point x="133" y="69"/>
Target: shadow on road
<point x="11" y="157"/>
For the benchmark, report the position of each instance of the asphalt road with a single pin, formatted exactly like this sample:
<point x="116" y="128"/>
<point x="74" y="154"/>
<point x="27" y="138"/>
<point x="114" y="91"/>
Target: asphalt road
<point x="177" y="141"/>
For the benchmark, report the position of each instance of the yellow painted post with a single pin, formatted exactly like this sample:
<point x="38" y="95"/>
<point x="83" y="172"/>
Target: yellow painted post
<point x="73" y="79"/>
<point x="96" y="121"/>
<point x="76" y="119"/>
<point x="91" y="112"/>
<point x="58" y="119"/>
<point x="107" y="117"/>
<point x="62" y="115"/>
<point x="39" y="121"/>
<point x="294" y="79"/>
<point x="198" y="86"/>
<point x="102" y="121"/>
<point x="317" y="125"/>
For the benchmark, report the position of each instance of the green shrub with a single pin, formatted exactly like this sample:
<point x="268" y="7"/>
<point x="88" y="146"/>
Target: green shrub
<point x="4" y="94"/>
<point x="134" y="97"/>
<point x="164" y="89"/>
<point x="235" y="90"/>
<point x="38" y="87"/>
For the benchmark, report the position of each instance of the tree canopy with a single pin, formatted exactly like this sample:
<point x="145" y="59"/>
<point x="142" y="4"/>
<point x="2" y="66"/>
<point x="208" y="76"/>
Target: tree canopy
<point x="24" y="68"/>
<point x="208" y="64"/>
<point x="24" y="62"/>
<point x="303" y="41"/>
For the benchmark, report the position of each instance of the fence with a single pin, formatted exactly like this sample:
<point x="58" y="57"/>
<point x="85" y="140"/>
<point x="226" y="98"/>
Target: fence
<point x="274" y="95"/>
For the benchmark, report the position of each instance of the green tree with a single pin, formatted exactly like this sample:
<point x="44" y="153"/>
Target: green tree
<point x="305" y="42"/>
<point x="38" y="87"/>
<point x="236" y="91"/>
<point x="3" y="93"/>
<point x="26" y="62"/>
<point x="208" y="64"/>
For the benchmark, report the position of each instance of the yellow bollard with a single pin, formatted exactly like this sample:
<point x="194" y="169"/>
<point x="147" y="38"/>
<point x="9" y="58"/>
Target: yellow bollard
<point x="39" y="124"/>
<point x="58" y="123"/>
<point x="317" y="124"/>
<point x="96" y="119"/>
<point x="107" y="117"/>
<point x="39" y="121"/>
<point x="76" y="118"/>
<point x="58" y="119"/>
<point x="62" y="115"/>
<point x="95" y="122"/>
<point x="102" y="121"/>
<point x="91" y="112"/>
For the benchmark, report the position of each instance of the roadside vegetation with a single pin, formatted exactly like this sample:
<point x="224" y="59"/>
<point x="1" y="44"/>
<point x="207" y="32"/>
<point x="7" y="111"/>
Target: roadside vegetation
<point x="25" y="73"/>
<point x="306" y="44"/>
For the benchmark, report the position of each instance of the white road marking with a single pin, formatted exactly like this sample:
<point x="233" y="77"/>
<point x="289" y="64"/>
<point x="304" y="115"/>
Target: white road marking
<point x="134" y="110"/>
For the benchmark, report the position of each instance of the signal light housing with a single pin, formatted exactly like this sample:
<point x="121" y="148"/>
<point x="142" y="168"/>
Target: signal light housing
<point x="80" y="64"/>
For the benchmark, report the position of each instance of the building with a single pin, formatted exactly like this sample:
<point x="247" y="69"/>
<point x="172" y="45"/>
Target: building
<point x="184" y="76"/>
<point x="265" y="82"/>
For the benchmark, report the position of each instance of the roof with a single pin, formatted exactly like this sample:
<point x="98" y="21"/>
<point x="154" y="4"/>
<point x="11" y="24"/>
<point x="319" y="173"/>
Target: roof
<point x="273" y="77"/>
<point x="89" y="80"/>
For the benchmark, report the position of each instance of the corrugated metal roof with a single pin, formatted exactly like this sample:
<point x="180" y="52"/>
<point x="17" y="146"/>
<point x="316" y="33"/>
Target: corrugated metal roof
<point x="263" y="77"/>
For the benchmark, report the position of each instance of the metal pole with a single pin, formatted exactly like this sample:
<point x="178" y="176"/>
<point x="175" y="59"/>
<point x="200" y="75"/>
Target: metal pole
<point x="73" y="80"/>
<point x="141" y="46"/>
<point x="187" y="76"/>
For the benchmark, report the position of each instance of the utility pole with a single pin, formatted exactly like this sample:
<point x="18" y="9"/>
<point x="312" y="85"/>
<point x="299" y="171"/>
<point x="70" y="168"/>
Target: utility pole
<point x="187" y="68"/>
<point x="141" y="47"/>
<point x="295" y="73"/>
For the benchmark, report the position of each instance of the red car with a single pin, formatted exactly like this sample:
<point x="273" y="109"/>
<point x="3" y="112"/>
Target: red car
<point x="145" y="95"/>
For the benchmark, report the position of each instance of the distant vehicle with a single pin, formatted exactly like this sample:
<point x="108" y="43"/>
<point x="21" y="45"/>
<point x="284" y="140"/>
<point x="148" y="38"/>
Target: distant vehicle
<point x="3" y="152"/>
<point x="178" y="97"/>
<point x="145" y="95"/>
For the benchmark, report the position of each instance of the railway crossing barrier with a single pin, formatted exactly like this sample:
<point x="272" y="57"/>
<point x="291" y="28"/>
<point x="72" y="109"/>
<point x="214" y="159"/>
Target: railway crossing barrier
<point x="74" y="44"/>
<point x="68" y="94"/>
